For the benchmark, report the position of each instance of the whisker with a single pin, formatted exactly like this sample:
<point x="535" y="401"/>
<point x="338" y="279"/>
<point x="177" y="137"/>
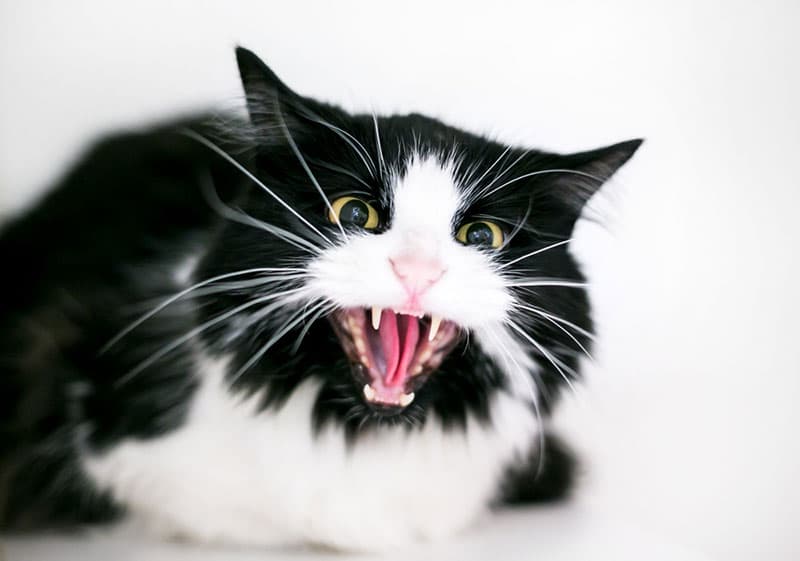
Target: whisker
<point x="532" y="253"/>
<point x="553" y="360"/>
<point x="163" y="351"/>
<point x="308" y="325"/>
<point x="518" y="226"/>
<point x="341" y="170"/>
<point x="241" y="217"/>
<point x="473" y="184"/>
<point x="349" y="139"/>
<point x="531" y="385"/>
<point x="544" y="313"/>
<point x="175" y="298"/>
<point x="275" y="338"/>
<point x="499" y="175"/>
<point x="299" y="155"/>
<point x="542" y="172"/>
<point x="203" y="140"/>
<point x="548" y="282"/>
<point x="381" y="162"/>
<point x="570" y="335"/>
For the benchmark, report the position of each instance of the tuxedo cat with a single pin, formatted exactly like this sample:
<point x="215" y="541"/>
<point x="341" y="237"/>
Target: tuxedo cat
<point x="303" y="326"/>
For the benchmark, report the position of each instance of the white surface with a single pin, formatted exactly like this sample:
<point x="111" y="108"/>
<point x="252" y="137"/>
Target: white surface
<point x="687" y="424"/>
<point x="559" y="534"/>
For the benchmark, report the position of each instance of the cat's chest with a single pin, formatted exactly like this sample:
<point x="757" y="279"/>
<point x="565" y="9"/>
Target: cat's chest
<point x="234" y="474"/>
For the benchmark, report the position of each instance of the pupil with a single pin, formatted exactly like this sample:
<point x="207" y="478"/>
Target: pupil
<point x="354" y="212"/>
<point x="479" y="234"/>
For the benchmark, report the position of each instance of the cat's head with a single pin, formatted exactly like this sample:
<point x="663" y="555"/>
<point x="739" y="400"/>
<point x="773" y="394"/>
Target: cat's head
<point x="439" y="258"/>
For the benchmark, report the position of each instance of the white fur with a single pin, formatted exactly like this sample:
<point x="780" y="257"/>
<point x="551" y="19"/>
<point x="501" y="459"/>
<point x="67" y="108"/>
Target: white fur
<point x="234" y="474"/>
<point x="231" y="474"/>
<point x="425" y="202"/>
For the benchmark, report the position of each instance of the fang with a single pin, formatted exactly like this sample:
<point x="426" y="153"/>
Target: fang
<point x="436" y="321"/>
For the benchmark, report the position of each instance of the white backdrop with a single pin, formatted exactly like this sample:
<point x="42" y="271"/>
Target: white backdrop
<point x="687" y="422"/>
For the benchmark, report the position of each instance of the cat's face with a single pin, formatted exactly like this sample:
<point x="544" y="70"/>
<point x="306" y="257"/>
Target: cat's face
<point x="438" y="258"/>
<point x="406" y="287"/>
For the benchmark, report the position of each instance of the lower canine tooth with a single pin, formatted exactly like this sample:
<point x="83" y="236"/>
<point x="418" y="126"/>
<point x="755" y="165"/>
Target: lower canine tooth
<point x="369" y="393"/>
<point x="406" y="399"/>
<point x="436" y="321"/>
<point x="376" y="317"/>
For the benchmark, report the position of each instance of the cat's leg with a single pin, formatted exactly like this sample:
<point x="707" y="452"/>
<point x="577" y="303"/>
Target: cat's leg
<point x="546" y="474"/>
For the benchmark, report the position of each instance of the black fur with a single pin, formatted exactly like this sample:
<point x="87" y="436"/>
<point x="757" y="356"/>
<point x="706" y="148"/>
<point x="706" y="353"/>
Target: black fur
<point x="541" y="477"/>
<point x="101" y="248"/>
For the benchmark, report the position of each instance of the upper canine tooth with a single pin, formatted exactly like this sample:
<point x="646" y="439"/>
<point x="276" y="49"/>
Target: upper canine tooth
<point x="436" y="321"/>
<point x="376" y="317"/>
<point x="406" y="399"/>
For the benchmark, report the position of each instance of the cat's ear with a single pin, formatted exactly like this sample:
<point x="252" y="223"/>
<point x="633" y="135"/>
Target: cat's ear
<point x="270" y="102"/>
<point x="580" y="175"/>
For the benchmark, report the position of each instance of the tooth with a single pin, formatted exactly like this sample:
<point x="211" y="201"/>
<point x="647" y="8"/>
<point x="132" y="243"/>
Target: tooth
<point x="360" y="346"/>
<point x="406" y="399"/>
<point x="435" y="323"/>
<point x="369" y="393"/>
<point x="376" y="317"/>
<point x="425" y="356"/>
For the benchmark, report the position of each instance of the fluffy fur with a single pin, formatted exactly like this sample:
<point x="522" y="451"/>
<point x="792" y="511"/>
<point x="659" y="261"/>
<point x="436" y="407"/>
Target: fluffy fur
<point x="169" y="336"/>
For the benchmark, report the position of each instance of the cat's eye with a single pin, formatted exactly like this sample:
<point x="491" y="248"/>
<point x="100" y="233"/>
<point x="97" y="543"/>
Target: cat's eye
<point x="353" y="211"/>
<point x="482" y="233"/>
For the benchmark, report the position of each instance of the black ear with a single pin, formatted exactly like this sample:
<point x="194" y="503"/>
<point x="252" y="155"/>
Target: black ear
<point x="585" y="172"/>
<point x="270" y="102"/>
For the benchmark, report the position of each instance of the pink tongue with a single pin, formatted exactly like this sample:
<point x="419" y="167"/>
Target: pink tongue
<point x="399" y="337"/>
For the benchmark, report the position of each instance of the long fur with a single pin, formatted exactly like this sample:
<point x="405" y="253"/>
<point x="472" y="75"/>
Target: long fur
<point x="165" y="342"/>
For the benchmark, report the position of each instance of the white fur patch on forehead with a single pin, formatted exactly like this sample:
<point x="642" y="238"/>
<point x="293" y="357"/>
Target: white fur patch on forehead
<point x="426" y="196"/>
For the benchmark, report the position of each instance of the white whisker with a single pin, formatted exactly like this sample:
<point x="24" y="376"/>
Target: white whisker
<point x="548" y="282"/>
<point x="341" y="170"/>
<point x="542" y="172"/>
<point x="203" y="140"/>
<point x="570" y="335"/>
<point x="544" y="313"/>
<point x="553" y="360"/>
<point x="175" y="298"/>
<point x="532" y="253"/>
<point x="274" y="339"/>
<point x="301" y="336"/>
<point x="499" y="175"/>
<point x="526" y="377"/>
<point x="163" y="351"/>
<point x="381" y="162"/>
<point x="473" y="184"/>
<point x="241" y="217"/>
<point x="299" y="155"/>
<point x="350" y="140"/>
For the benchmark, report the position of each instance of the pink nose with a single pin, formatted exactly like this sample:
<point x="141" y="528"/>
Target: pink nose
<point x="417" y="274"/>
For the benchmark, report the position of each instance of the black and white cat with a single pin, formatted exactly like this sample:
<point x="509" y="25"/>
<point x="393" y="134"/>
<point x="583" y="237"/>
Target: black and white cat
<point x="305" y="327"/>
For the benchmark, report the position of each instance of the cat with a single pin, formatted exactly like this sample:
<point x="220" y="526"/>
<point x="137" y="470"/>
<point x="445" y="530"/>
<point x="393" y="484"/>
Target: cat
<point x="293" y="326"/>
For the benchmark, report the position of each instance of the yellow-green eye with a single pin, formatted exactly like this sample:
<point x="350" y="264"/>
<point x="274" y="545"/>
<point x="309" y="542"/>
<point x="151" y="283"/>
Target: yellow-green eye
<point x="352" y="210"/>
<point x="481" y="233"/>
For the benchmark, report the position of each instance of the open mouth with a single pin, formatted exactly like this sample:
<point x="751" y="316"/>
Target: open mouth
<point x="392" y="354"/>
